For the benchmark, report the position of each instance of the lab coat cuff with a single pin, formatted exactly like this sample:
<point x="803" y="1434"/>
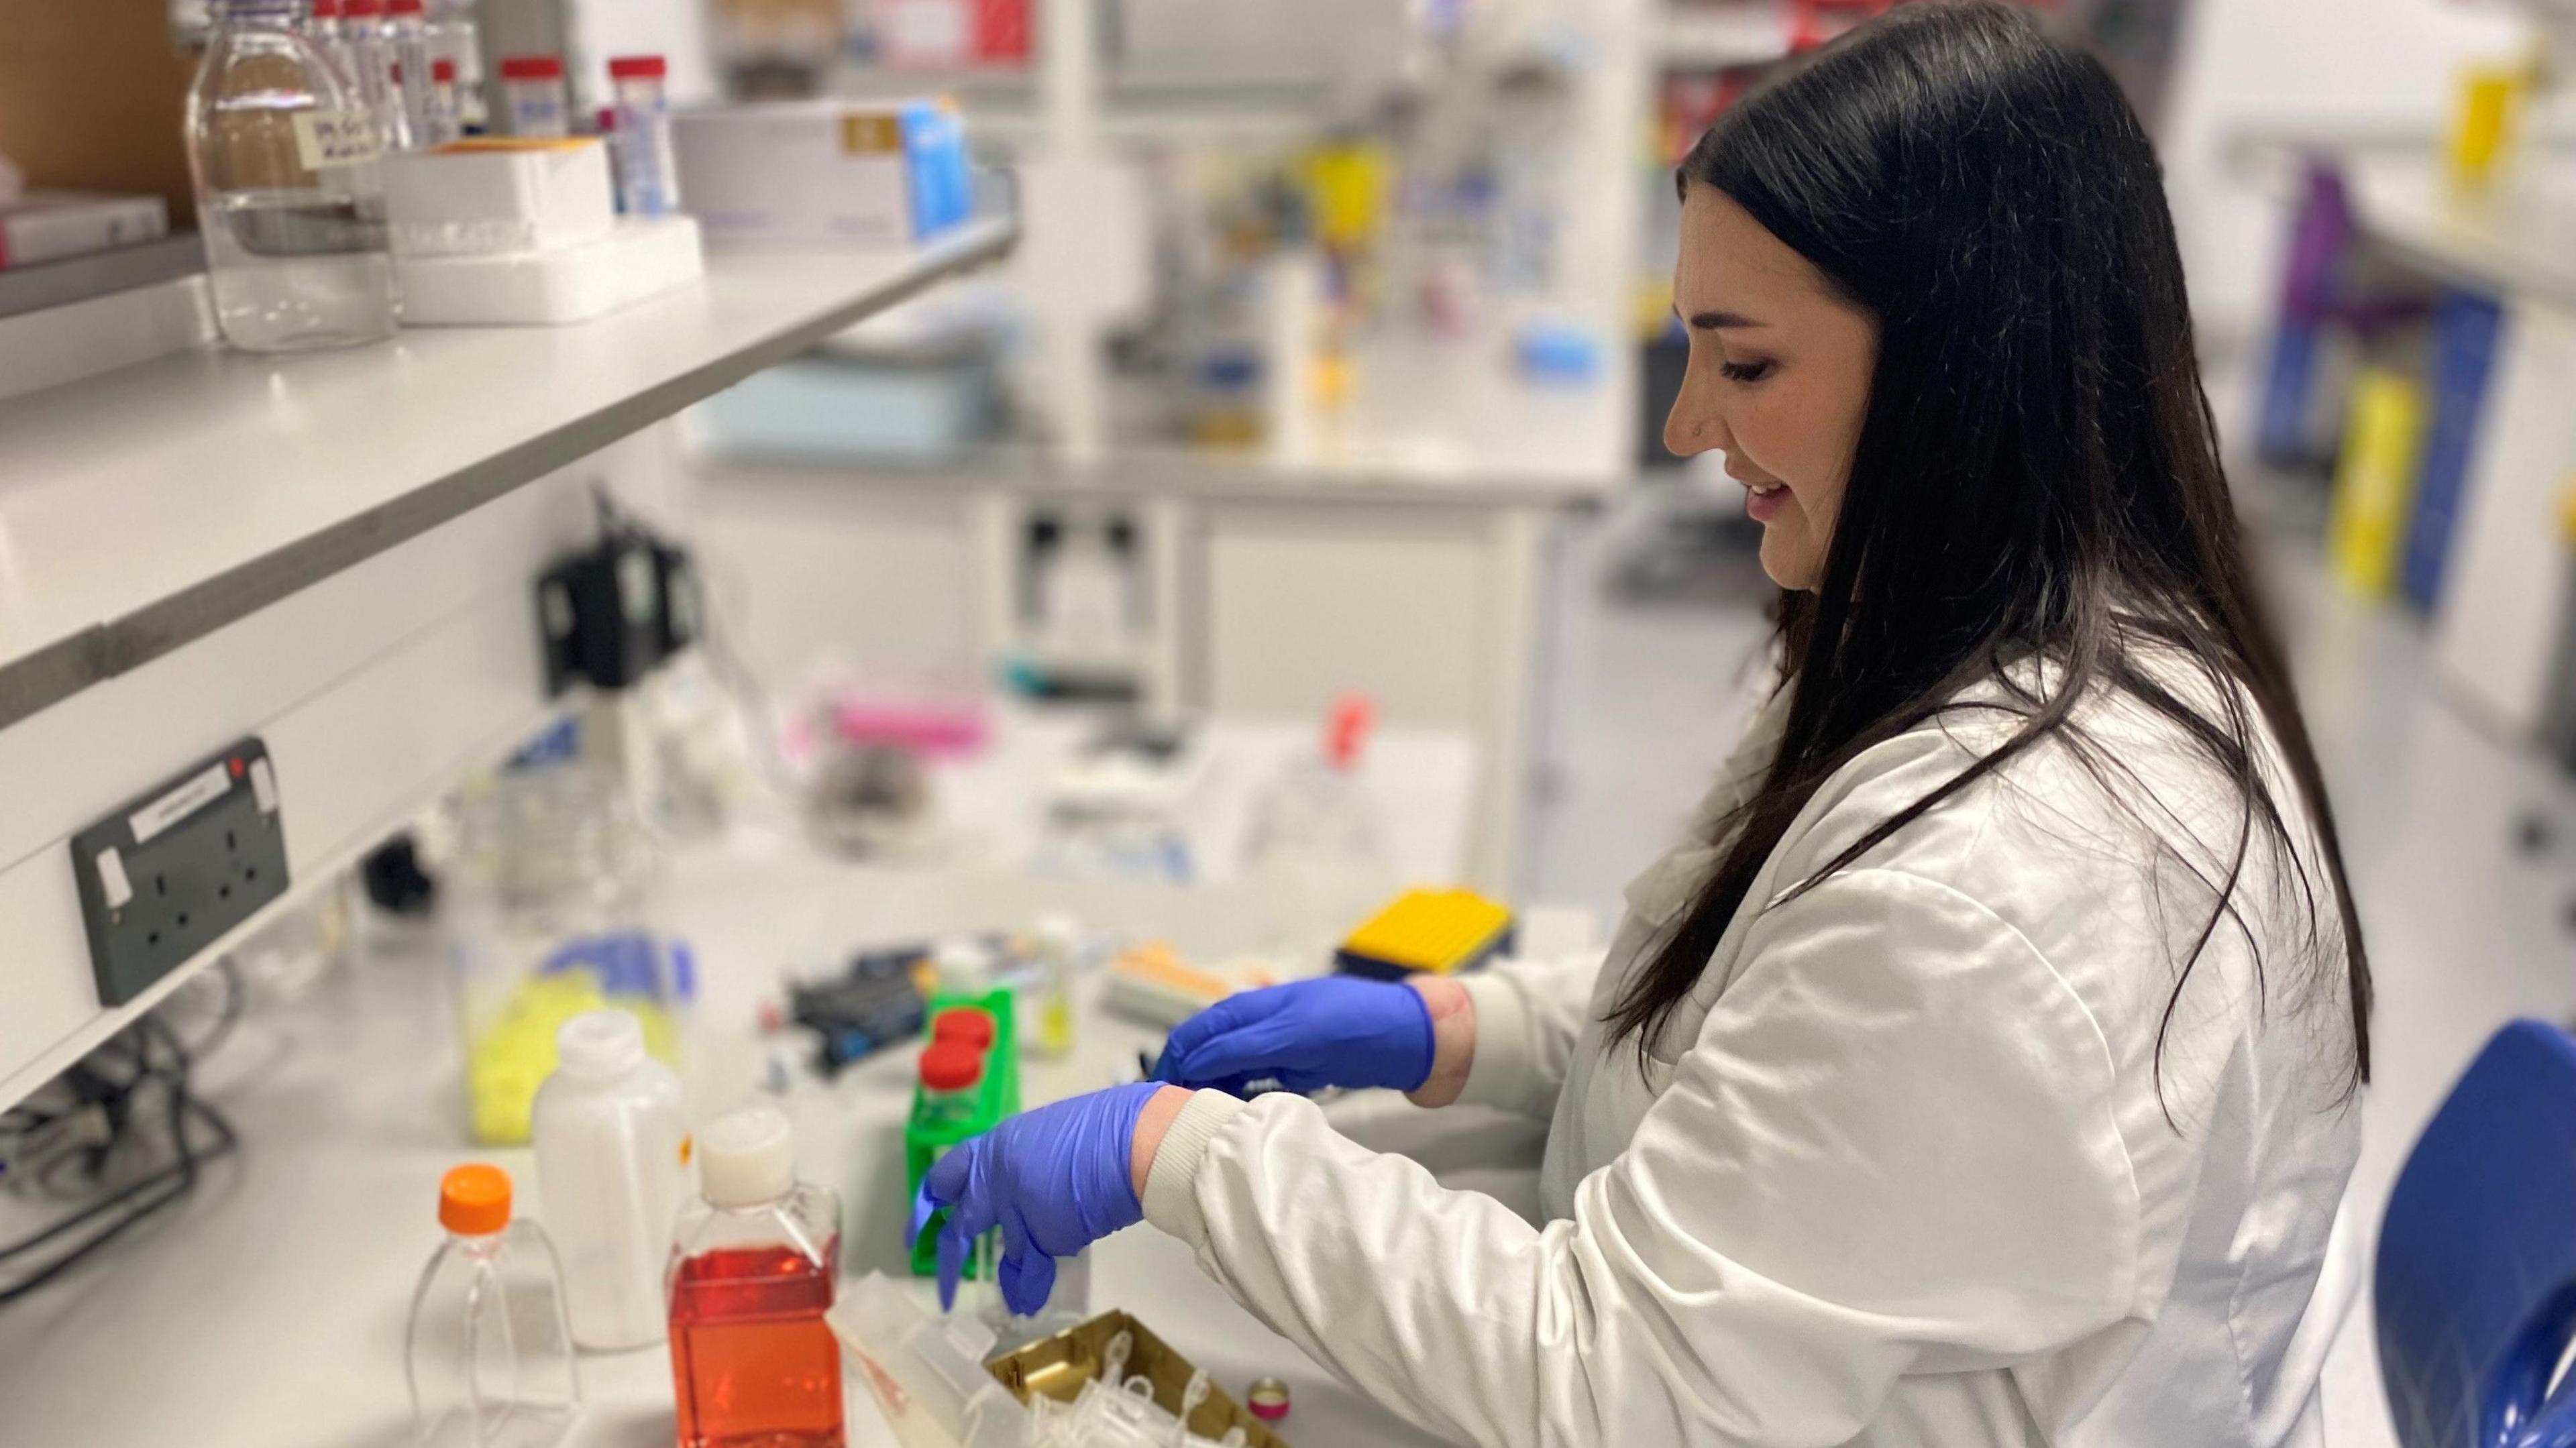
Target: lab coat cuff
<point x="1500" y="1071"/>
<point x="1171" y="1188"/>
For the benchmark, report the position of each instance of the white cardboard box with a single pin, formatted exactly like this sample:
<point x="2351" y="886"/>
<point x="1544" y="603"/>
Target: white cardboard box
<point x="638" y="258"/>
<point x="812" y="172"/>
<point x="42" y="226"/>
<point x="490" y="196"/>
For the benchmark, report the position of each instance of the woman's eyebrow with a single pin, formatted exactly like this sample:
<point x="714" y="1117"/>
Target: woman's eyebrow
<point x="1720" y="321"/>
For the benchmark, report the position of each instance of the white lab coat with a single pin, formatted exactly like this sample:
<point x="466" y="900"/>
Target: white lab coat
<point x="1903" y="1170"/>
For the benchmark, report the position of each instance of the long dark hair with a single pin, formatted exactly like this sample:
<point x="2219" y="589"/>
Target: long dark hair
<point x="2037" y="477"/>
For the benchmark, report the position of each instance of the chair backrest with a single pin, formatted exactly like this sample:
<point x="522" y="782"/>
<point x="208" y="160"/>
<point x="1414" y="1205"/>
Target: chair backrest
<point x="2476" y="1280"/>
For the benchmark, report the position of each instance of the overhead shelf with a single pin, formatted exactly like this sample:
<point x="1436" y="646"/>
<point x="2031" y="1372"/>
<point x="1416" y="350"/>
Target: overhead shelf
<point x="2509" y="239"/>
<point x="1136" y="107"/>
<point x="146" y="508"/>
<point x="1427" y="422"/>
<point x="1723" y="35"/>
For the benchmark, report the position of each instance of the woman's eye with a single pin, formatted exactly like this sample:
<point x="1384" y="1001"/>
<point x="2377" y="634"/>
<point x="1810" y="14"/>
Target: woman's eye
<point x="1744" y="371"/>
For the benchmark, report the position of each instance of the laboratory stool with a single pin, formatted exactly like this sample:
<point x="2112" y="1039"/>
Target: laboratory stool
<point x="2476" y="1280"/>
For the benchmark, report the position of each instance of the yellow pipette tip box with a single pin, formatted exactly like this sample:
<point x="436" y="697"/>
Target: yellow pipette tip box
<point x="1437" y="931"/>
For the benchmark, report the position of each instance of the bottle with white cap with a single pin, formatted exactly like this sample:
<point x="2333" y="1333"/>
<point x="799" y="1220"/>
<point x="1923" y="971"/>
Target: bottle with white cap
<point x="1059" y="956"/>
<point x="963" y="966"/>
<point x="610" y="1161"/>
<point x="751" y="1276"/>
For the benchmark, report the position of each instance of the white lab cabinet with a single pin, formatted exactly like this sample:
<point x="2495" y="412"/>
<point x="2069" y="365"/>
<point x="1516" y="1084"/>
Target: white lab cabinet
<point x="1264" y="595"/>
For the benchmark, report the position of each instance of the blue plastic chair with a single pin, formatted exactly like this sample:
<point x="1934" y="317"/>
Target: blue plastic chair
<point x="2476" y="1279"/>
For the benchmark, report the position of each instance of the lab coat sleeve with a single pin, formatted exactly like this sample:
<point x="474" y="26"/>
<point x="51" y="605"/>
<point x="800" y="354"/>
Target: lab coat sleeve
<point x="1528" y="1014"/>
<point x="1890" y="1150"/>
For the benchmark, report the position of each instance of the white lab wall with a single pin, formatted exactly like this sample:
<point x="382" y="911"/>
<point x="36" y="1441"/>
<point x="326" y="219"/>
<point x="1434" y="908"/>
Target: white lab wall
<point x="673" y="29"/>
<point x="2330" y="62"/>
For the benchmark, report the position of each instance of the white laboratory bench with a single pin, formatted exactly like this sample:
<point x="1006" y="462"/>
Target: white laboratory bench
<point x="336" y="552"/>
<point x="1414" y="787"/>
<point x="1401" y="546"/>
<point x="269" y="1310"/>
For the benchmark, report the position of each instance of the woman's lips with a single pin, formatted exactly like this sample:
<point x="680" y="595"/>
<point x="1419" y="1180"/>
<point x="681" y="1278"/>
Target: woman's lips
<point x="1764" y="501"/>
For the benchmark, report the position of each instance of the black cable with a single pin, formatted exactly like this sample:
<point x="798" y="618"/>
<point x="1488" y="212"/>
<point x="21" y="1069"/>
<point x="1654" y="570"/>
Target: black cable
<point x="95" y="1086"/>
<point x="236" y="1000"/>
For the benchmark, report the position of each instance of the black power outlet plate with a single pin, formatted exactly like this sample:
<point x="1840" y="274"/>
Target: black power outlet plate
<point x="175" y="868"/>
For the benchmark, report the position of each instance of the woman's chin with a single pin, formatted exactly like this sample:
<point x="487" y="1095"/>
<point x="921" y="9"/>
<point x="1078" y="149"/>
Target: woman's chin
<point x="1786" y="558"/>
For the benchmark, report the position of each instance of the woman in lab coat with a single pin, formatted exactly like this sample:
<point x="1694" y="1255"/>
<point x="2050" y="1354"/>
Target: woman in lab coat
<point x="1981" y="1067"/>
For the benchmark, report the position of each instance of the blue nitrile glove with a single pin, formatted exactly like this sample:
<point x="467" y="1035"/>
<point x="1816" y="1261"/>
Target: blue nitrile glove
<point x="1055" y="1180"/>
<point x="1338" y="1031"/>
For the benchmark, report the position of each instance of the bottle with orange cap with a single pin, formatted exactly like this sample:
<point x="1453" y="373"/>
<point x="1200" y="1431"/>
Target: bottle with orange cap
<point x="490" y="1350"/>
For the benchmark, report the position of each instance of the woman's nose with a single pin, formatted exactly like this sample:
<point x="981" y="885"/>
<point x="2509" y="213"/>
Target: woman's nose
<point x="1693" y="426"/>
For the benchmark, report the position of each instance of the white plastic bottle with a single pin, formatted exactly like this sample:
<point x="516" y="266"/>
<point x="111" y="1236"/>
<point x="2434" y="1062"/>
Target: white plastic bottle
<point x="964" y="967"/>
<point x="488" y="1353"/>
<point x="608" y="1134"/>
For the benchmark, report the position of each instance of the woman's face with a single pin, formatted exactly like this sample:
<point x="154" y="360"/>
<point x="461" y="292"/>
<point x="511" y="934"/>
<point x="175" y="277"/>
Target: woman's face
<point x="1778" y="380"/>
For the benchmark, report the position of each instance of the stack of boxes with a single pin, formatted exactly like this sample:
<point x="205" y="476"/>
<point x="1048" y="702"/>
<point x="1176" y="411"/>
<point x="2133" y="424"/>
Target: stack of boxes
<point x="499" y="231"/>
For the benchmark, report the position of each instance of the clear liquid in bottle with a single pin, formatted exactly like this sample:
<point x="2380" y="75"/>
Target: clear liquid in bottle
<point x="289" y="196"/>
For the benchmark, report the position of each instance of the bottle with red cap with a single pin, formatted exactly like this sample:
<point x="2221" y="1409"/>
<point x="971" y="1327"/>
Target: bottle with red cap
<point x="647" y="180"/>
<point x="366" y="39"/>
<point x="454" y="37"/>
<point x="322" y="23"/>
<point x="952" y="1074"/>
<point x="968" y="1025"/>
<point x="532" y="95"/>
<point x="446" y="120"/>
<point x="489" y="1351"/>
<point x="1314" y="845"/>
<point x="407" y="40"/>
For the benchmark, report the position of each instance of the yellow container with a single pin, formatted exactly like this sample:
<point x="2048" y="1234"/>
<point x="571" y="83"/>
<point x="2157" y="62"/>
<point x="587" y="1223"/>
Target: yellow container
<point x="1439" y="931"/>
<point x="2482" y="119"/>
<point x="2374" y="486"/>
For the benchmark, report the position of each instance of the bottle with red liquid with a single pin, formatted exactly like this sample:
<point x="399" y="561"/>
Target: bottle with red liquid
<point x="752" y="1362"/>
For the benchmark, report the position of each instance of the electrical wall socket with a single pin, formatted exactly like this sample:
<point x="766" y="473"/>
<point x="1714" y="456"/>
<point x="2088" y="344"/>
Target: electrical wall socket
<point x="161" y="878"/>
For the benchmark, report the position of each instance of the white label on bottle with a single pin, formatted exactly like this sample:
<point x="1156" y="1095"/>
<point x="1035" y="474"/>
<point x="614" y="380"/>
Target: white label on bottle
<point x="178" y="804"/>
<point x="335" y="138"/>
